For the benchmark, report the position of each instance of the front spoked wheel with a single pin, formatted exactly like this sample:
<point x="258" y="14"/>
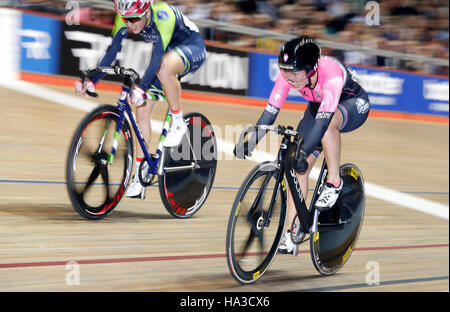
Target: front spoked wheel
<point x="331" y="248"/>
<point x="184" y="192"/>
<point x="96" y="180"/>
<point x="256" y="223"/>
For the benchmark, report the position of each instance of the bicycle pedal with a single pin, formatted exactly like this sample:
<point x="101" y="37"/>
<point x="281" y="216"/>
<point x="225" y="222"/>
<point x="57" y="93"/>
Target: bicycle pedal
<point x="298" y="237"/>
<point x="140" y="196"/>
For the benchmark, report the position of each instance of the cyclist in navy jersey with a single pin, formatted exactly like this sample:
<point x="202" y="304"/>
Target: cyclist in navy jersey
<point x="178" y="49"/>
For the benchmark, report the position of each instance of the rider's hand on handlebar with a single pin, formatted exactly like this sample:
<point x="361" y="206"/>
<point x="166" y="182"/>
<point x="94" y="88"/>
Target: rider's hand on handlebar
<point x="137" y="96"/>
<point x="300" y="162"/>
<point x="242" y="151"/>
<point x="81" y="88"/>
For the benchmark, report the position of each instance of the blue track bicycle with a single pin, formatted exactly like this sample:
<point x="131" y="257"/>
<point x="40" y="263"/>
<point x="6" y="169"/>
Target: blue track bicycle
<point x="100" y="158"/>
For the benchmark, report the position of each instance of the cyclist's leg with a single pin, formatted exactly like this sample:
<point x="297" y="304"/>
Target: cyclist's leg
<point x="303" y="181"/>
<point x="355" y="112"/>
<point x="143" y="118"/>
<point x="185" y="58"/>
<point x="287" y="246"/>
<point x="303" y="127"/>
<point x="331" y="142"/>
<point x="171" y="66"/>
<point x="351" y="114"/>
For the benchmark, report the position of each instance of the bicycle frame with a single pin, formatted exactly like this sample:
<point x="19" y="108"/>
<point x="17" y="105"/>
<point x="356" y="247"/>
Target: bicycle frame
<point x="156" y="162"/>
<point x="125" y="107"/>
<point x="307" y="217"/>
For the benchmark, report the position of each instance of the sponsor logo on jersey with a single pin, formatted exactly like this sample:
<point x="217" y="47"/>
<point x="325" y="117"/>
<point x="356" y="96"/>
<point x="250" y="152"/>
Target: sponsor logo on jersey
<point x="150" y="36"/>
<point x="272" y="109"/>
<point x="162" y="15"/>
<point x="323" y="115"/>
<point x="277" y="96"/>
<point x="318" y="96"/>
<point x="362" y="106"/>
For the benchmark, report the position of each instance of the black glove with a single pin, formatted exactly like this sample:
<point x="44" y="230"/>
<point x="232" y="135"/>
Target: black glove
<point x="300" y="162"/>
<point x="246" y="149"/>
<point x="242" y="151"/>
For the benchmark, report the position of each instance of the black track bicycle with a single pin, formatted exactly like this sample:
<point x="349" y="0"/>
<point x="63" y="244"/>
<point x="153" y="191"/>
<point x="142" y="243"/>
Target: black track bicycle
<point x="257" y="219"/>
<point x="100" y="158"/>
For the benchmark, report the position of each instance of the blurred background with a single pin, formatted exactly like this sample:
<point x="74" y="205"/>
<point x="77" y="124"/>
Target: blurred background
<point x="406" y="34"/>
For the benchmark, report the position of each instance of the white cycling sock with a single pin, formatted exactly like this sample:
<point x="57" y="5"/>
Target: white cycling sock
<point x="177" y="117"/>
<point x="138" y="164"/>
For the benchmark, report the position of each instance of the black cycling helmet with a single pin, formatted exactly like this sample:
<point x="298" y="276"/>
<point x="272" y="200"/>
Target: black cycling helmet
<point x="301" y="53"/>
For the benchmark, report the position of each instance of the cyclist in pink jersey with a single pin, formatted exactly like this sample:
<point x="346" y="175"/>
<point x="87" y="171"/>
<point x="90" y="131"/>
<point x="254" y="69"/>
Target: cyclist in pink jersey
<point x="337" y="103"/>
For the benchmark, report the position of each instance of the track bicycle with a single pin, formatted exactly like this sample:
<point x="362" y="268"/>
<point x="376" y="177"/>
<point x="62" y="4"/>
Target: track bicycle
<point x="257" y="219"/>
<point x="100" y="158"/>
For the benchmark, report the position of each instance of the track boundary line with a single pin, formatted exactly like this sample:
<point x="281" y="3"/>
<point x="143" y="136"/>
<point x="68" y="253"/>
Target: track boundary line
<point x="365" y="285"/>
<point x="185" y="257"/>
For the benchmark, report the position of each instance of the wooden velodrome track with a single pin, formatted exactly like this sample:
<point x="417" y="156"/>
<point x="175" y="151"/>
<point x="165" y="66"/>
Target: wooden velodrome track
<point x="140" y="247"/>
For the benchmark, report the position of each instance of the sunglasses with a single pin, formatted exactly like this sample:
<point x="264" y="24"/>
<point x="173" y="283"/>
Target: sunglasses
<point x="132" y="19"/>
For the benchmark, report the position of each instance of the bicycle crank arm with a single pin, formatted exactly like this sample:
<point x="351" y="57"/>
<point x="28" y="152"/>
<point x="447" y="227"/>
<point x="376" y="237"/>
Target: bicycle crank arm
<point x="180" y="168"/>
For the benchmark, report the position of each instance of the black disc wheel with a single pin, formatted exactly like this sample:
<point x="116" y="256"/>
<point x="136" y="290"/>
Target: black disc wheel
<point x="183" y="192"/>
<point x="331" y="248"/>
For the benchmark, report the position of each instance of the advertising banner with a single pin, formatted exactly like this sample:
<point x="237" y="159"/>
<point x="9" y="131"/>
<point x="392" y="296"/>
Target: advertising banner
<point x="40" y="44"/>
<point x="224" y="71"/>
<point x="388" y="90"/>
<point x="405" y="92"/>
<point x="82" y="47"/>
<point x="51" y="46"/>
<point x="10" y="23"/>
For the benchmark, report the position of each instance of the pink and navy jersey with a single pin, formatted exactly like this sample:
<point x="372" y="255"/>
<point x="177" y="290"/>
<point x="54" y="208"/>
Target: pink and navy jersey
<point x="335" y="83"/>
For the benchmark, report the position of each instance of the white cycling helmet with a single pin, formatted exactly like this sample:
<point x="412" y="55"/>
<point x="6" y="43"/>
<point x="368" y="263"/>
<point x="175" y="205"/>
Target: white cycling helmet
<point x="132" y="8"/>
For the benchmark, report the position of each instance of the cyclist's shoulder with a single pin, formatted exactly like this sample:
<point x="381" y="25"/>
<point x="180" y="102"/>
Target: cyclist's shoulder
<point x="163" y="13"/>
<point x="123" y="31"/>
<point x="119" y="27"/>
<point x="328" y="62"/>
<point x="281" y="81"/>
<point x="330" y="68"/>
